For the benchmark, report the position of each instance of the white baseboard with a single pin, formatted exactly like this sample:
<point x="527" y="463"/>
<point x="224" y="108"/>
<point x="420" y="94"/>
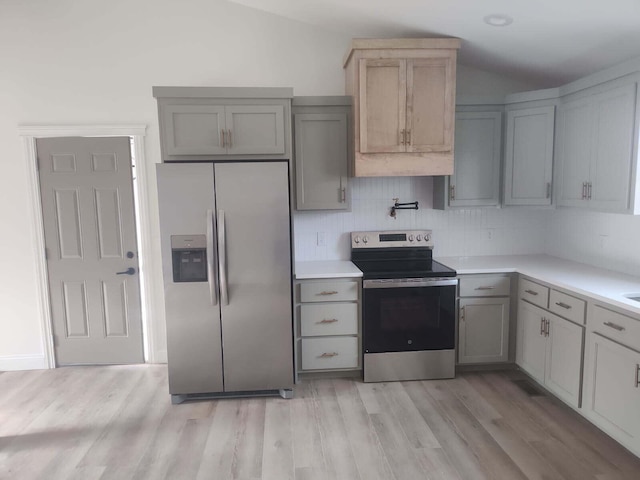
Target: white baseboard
<point x="23" y="362"/>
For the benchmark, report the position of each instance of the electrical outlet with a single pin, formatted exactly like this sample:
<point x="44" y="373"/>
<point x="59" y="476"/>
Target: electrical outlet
<point x="321" y="239"/>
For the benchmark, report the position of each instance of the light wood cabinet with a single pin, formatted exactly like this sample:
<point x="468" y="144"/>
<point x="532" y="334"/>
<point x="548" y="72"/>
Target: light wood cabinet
<point x="596" y="135"/>
<point x="483" y="322"/>
<point x="529" y="156"/>
<point x="327" y="326"/>
<point x="476" y="177"/>
<point x="323" y="150"/>
<point x="404" y="99"/>
<point x="214" y="123"/>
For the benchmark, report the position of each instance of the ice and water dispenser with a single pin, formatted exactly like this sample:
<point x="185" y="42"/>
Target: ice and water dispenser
<point x="189" y="256"/>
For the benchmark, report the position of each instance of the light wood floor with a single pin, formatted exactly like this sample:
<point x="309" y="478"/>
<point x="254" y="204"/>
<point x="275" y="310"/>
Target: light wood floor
<point x="118" y="423"/>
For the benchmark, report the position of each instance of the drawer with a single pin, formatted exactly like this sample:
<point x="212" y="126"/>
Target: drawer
<point x="319" y="319"/>
<point x="618" y="327"/>
<point x="328" y="291"/>
<point x="329" y="352"/>
<point x="566" y="306"/>
<point x="485" y="286"/>
<point x="533" y="292"/>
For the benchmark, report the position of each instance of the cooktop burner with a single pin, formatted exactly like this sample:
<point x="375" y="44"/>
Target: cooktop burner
<point x="396" y="254"/>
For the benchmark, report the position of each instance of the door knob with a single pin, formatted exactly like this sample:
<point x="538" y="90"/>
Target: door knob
<point x="128" y="271"/>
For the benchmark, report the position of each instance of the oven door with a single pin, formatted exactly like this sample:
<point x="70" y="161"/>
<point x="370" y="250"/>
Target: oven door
<point x="404" y="315"/>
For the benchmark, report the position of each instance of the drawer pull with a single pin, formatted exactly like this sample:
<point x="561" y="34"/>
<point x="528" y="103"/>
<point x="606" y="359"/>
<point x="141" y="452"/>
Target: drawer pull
<point x="614" y="326"/>
<point x="328" y="320"/>
<point x="637" y="375"/>
<point x="329" y="355"/>
<point x="485" y="288"/>
<point x="531" y="292"/>
<point x="563" y="305"/>
<point x="332" y="292"/>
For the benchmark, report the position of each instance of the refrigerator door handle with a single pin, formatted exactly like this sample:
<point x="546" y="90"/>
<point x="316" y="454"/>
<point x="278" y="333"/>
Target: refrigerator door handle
<point x="211" y="259"/>
<point x="222" y="258"/>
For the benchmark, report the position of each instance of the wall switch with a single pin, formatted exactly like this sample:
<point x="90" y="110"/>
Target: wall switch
<point x="321" y="239"/>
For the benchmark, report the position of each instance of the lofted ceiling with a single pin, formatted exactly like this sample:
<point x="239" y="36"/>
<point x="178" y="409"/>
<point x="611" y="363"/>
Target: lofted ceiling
<point x="549" y="43"/>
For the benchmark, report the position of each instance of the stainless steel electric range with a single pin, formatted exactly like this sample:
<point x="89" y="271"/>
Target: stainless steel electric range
<point x="409" y="303"/>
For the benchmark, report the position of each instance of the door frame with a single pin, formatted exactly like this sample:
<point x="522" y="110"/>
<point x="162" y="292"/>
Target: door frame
<point x="136" y="132"/>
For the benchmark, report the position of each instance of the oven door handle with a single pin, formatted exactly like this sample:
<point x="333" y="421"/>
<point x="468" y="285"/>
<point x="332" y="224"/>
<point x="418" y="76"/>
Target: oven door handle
<point x="409" y="282"/>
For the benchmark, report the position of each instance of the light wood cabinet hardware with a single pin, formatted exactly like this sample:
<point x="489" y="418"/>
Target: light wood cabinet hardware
<point x="615" y="326"/>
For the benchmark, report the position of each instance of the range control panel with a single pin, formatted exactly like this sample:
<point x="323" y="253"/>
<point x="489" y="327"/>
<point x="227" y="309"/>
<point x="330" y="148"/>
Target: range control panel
<point x="392" y="238"/>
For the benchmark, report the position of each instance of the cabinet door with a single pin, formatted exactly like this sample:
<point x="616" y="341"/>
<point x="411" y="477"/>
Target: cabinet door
<point x="383" y="103"/>
<point x="531" y="343"/>
<point x="193" y="129"/>
<point x="430" y="104"/>
<point x="574" y="151"/>
<point x="564" y="358"/>
<point x="255" y="129"/>
<point x="483" y="330"/>
<point x="529" y="156"/>
<point x="321" y="161"/>
<point x="612" y="395"/>
<point x="613" y="131"/>
<point x="476" y="177"/>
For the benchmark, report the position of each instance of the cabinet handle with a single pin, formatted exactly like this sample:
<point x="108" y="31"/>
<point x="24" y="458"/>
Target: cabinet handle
<point x="408" y="138"/>
<point x="343" y="195"/>
<point x="548" y="189"/>
<point x="485" y="288"/>
<point x="403" y="136"/>
<point x="329" y="355"/>
<point x="229" y="138"/>
<point x="328" y="320"/>
<point x="542" y="326"/>
<point x="224" y="141"/>
<point x="563" y="305"/>
<point x="589" y="187"/>
<point x="531" y="292"/>
<point x="462" y="314"/>
<point x="546" y="328"/>
<point x="584" y="190"/>
<point x="333" y="292"/>
<point x="614" y="326"/>
<point x="452" y="192"/>
<point x="637" y="375"/>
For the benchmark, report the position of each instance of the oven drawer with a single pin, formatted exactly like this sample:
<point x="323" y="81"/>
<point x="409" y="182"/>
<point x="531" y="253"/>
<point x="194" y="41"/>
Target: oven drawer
<point x="533" y="292"/>
<point x="329" y="291"/>
<point x="329" y="319"/>
<point x="485" y="286"/>
<point x="566" y="306"/>
<point x="615" y="326"/>
<point x="329" y="352"/>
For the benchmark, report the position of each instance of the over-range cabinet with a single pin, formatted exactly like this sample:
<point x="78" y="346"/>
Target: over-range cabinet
<point x="226" y="260"/>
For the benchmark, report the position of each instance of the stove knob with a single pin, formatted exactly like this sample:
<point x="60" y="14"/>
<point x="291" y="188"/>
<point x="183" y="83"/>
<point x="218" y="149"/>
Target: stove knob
<point x="419" y="238"/>
<point x="427" y="237"/>
<point x="411" y="238"/>
<point x="356" y="239"/>
<point x="365" y="239"/>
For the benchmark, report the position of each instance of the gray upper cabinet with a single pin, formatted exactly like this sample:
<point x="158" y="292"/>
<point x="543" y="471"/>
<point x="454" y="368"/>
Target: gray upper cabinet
<point x="595" y="149"/>
<point x="322" y="152"/>
<point x="529" y="156"/>
<point x="477" y="153"/>
<point x="209" y="123"/>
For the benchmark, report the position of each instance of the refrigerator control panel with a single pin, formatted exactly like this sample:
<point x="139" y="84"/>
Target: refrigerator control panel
<point x="189" y="258"/>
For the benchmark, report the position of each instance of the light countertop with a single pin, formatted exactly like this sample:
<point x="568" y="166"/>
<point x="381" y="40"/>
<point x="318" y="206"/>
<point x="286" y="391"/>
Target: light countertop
<point x="326" y="269"/>
<point x="598" y="283"/>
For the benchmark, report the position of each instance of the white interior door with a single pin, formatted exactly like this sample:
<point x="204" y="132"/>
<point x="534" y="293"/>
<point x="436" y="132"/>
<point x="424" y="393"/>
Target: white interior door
<point x="89" y="224"/>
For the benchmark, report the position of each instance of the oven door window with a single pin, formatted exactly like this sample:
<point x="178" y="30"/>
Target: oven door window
<point x="409" y="319"/>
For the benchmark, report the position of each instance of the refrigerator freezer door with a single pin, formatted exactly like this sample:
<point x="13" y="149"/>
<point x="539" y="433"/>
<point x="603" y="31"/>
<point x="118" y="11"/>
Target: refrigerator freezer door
<point x="186" y="204"/>
<point x="257" y="335"/>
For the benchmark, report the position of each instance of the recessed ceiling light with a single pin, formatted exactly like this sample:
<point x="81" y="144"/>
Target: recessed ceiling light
<point x="498" y="20"/>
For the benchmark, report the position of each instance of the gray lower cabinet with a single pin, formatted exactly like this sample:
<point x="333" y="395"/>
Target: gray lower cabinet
<point x="322" y="132"/>
<point x="209" y="123"/>
<point x="483" y="327"/>
<point x="528" y="156"/>
<point x="477" y="154"/>
<point x="327" y="325"/>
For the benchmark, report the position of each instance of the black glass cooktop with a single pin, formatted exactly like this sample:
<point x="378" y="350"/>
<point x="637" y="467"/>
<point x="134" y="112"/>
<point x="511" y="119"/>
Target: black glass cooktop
<point x="399" y="263"/>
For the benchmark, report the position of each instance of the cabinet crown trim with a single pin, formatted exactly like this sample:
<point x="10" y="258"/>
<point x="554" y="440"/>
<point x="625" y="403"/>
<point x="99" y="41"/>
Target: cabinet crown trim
<point x="400" y="43"/>
<point x="222" y="92"/>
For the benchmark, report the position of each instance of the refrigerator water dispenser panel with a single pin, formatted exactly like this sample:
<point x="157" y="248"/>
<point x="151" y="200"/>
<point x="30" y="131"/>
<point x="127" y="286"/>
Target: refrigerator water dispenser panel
<point x="189" y="256"/>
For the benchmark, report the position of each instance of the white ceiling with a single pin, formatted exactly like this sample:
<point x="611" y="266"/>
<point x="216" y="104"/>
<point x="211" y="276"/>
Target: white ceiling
<point x="550" y="42"/>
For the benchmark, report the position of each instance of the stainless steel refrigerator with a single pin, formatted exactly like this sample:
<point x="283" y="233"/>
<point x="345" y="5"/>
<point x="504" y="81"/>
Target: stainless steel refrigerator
<point x="226" y="261"/>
